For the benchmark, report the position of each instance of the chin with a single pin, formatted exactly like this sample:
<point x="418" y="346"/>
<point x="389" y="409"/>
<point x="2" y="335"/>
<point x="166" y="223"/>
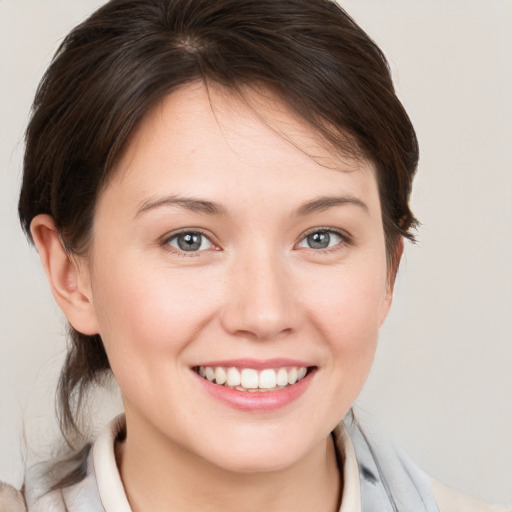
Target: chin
<point x="259" y="452"/>
<point x="254" y="461"/>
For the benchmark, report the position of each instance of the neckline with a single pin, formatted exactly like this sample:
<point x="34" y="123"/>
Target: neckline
<point x="113" y="496"/>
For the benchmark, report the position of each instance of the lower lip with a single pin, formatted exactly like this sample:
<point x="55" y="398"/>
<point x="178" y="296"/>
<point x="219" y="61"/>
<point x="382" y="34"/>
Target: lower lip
<point x="257" y="401"/>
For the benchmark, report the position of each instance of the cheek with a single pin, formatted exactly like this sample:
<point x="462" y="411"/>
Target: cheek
<point x="350" y="306"/>
<point x="143" y="309"/>
<point x="347" y="311"/>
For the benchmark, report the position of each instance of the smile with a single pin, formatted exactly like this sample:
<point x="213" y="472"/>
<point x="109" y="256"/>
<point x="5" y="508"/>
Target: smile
<point x="252" y="380"/>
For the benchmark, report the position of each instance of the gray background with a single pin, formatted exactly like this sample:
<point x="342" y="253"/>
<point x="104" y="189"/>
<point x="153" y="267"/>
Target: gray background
<point x="442" y="380"/>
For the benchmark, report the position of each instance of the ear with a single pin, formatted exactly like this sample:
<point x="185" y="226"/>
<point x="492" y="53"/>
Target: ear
<point x="391" y="278"/>
<point x="68" y="277"/>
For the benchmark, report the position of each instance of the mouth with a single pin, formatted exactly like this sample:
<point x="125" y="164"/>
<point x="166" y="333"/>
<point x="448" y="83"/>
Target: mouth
<point x="254" y="380"/>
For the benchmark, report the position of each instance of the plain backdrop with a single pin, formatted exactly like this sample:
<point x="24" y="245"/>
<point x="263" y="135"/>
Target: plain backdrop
<point x="442" y="380"/>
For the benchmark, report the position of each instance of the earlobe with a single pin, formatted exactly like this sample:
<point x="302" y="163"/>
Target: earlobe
<point x="68" y="280"/>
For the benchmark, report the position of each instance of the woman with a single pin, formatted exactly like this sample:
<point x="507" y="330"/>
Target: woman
<point x="218" y="192"/>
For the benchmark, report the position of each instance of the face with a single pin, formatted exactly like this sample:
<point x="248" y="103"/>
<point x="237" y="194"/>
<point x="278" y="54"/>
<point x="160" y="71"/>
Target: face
<point x="238" y="277"/>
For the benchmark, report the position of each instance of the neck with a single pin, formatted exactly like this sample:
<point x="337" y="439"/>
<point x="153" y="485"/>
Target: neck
<point x="160" y="476"/>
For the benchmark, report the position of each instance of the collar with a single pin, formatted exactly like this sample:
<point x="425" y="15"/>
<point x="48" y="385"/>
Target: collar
<point x="114" y="498"/>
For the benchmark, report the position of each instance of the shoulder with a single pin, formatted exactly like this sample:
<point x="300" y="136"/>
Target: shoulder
<point x="11" y="500"/>
<point x="387" y="476"/>
<point x="450" y="500"/>
<point x="73" y="483"/>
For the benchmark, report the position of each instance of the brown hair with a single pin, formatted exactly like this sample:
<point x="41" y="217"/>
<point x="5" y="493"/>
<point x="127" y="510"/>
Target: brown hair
<point x="119" y="63"/>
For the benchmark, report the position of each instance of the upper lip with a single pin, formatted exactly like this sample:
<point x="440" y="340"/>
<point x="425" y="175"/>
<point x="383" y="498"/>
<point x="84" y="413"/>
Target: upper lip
<point x="256" y="364"/>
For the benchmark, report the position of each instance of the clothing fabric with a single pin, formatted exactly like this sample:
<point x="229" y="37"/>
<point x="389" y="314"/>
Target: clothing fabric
<point x="376" y="477"/>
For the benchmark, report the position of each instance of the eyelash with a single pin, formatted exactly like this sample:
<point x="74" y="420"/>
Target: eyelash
<point x="345" y="239"/>
<point x="166" y="242"/>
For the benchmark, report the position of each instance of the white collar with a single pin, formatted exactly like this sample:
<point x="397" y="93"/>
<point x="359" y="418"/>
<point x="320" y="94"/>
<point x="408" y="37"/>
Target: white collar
<point x="109" y="482"/>
<point x="114" y="498"/>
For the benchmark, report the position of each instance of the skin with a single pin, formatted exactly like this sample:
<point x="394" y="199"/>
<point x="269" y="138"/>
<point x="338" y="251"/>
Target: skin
<point x="256" y="289"/>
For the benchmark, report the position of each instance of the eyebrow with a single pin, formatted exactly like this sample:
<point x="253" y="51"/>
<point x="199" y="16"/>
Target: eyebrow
<point x="210" y="208"/>
<point x="187" y="203"/>
<point x="325" y="202"/>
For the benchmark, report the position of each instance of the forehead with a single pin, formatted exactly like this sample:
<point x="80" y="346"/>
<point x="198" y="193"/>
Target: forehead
<point x="213" y="138"/>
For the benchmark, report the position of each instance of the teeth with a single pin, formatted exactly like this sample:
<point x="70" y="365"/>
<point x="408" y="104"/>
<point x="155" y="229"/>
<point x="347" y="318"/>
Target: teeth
<point x="249" y="379"/>
<point x="282" y="377"/>
<point x="268" y="379"/>
<point x="301" y="373"/>
<point x="220" y="375"/>
<point x="210" y="373"/>
<point x="233" y="377"/>
<point x="292" y="376"/>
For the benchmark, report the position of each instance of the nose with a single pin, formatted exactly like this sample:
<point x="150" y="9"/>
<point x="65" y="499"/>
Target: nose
<point x="261" y="298"/>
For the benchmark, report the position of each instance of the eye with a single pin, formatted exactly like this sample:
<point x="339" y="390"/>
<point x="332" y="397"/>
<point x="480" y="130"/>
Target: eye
<point x="321" y="239"/>
<point x="190" y="241"/>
